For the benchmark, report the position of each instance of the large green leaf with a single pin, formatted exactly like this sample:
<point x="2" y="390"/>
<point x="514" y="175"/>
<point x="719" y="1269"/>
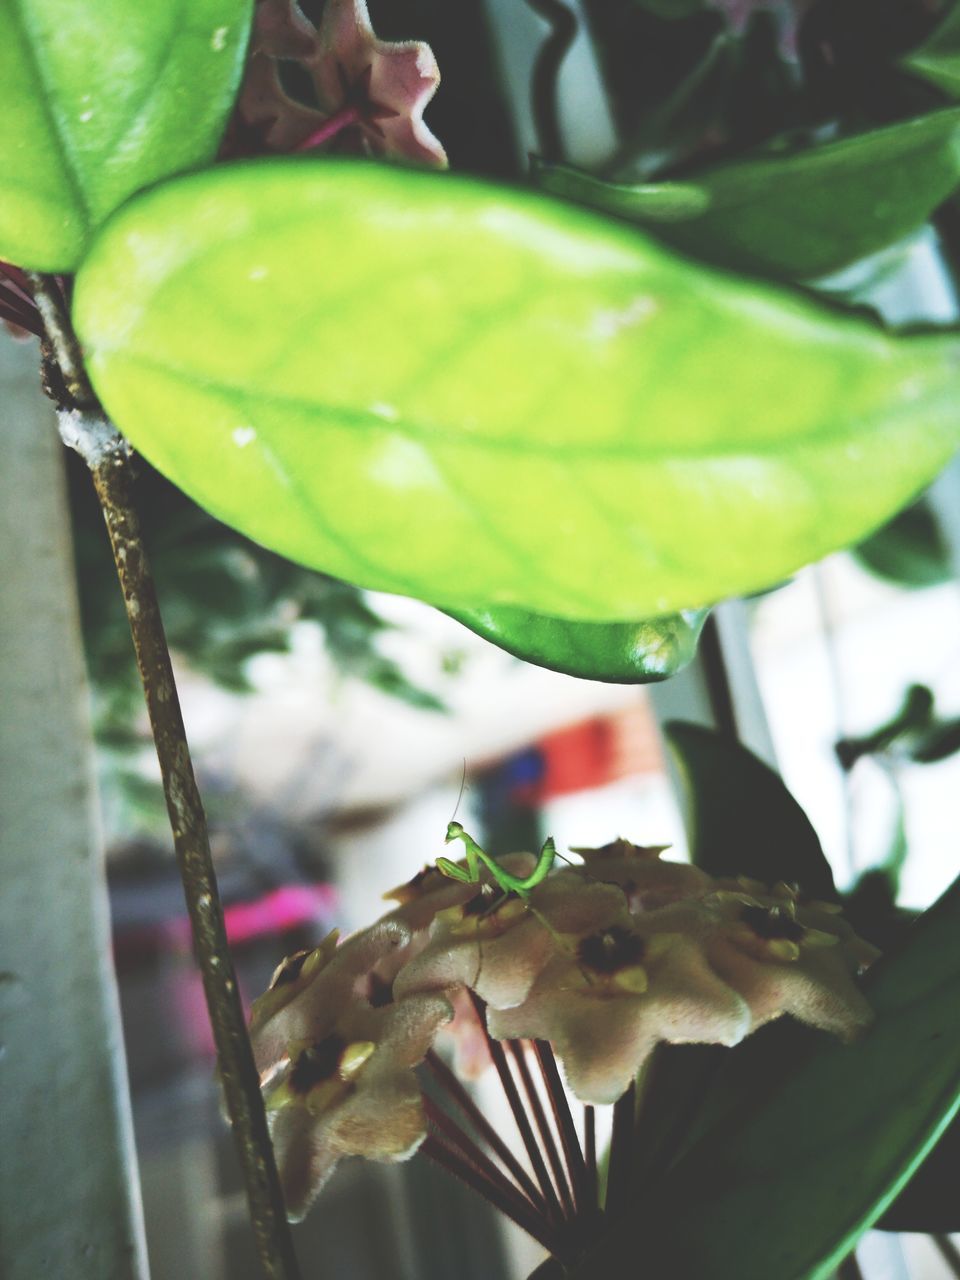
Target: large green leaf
<point x="99" y="98"/>
<point x="617" y="652"/>
<point x="745" y="821"/>
<point x="938" y="58"/>
<point x="816" y="1151"/>
<point x="794" y="215"/>
<point x="931" y="1199"/>
<point x="458" y="391"/>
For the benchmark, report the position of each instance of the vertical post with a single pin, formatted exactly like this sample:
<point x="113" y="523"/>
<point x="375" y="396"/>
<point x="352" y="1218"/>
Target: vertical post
<point x="69" y="1197"/>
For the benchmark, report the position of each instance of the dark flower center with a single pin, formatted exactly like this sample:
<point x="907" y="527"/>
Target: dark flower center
<point x="772" y="923"/>
<point x="317" y="1064"/>
<point x="289" y="970"/>
<point x="611" y="950"/>
<point x="379" y="991"/>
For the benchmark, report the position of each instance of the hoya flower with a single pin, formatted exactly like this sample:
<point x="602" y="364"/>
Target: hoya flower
<point x="497" y="944"/>
<point x="782" y="957"/>
<point x="641" y="873"/>
<point x="371" y="93"/>
<point x="606" y="1003"/>
<point x="350" y="1089"/>
<point x="310" y="987"/>
<point x="788" y="14"/>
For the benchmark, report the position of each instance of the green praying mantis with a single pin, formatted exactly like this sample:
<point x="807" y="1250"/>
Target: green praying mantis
<point x="475" y="855"/>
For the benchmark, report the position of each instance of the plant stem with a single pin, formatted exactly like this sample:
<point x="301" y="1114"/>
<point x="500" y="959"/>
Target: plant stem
<point x="547" y="1140"/>
<point x="448" y="1129"/>
<point x="621" y="1150"/>
<point x="543" y="81"/>
<point x="590" y="1156"/>
<point x="450" y="1159"/>
<point x="483" y="1127"/>
<point x="109" y="459"/>
<point x="565" y="1127"/>
<point x="520" y="1116"/>
<point x="948" y="1251"/>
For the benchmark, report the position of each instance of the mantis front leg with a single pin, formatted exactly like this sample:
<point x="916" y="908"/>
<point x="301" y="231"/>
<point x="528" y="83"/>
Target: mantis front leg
<point x="476" y="855"/>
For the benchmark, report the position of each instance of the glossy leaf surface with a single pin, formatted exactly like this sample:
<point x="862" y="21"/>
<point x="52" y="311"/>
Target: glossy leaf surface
<point x="825" y="1137"/>
<point x="938" y="58"/>
<point x="795" y="215"/>
<point x="456" y="391"/>
<point x="745" y="821"/>
<point x="99" y="98"/>
<point x="616" y="652"/>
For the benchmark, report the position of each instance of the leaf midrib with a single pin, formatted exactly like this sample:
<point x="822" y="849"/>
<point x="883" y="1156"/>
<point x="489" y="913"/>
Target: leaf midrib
<point x="430" y="435"/>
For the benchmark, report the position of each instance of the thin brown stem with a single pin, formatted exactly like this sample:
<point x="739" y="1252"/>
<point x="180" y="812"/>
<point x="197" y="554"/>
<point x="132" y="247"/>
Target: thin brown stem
<point x="454" y="1162"/>
<point x="458" y="1094"/>
<point x="621" y="1149"/>
<point x="519" y="1115"/>
<point x="519" y="1051"/>
<point x="109" y="460"/>
<point x="453" y="1134"/>
<point x="572" y="1151"/>
<point x="948" y="1251"/>
<point x="63" y="340"/>
<point x="590" y="1156"/>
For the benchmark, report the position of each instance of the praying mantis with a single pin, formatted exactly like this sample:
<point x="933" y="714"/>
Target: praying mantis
<point x="475" y="855"/>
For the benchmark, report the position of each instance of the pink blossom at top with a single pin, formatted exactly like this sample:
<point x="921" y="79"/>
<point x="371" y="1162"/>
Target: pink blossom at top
<point x="371" y="91"/>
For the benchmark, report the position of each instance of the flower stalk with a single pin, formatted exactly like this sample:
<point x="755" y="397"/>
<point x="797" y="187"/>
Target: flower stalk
<point x="109" y="458"/>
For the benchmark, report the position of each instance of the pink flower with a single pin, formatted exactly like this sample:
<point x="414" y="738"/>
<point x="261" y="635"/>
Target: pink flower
<point x="607" y="1002"/>
<point x="350" y="1089"/>
<point x="371" y="92"/>
<point x="644" y="877"/>
<point x="498" y="945"/>
<point x="785" y="958"/>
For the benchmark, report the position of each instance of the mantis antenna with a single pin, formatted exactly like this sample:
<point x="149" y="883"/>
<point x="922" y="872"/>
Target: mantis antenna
<point x="476" y="855"/>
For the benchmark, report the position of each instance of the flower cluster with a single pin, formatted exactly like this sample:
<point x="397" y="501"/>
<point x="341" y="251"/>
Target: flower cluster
<point x="603" y="961"/>
<point x="370" y="93"/>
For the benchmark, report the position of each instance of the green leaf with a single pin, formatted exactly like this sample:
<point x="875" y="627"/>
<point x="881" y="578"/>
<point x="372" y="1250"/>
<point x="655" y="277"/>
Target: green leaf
<point x="617" y="652"/>
<point x="745" y="821"/>
<point x="796" y="215"/>
<point x="929" y="1201"/>
<point x="908" y="550"/>
<point x="99" y="98"/>
<point x="453" y="390"/>
<point x="786" y="1182"/>
<point x="938" y="58"/>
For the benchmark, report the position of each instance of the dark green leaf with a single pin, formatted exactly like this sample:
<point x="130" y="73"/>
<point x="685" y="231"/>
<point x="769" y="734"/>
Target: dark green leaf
<point x="914" y="715"/>
<point x="938" y="58"/>
<point x="796" y="215"/>
<point x="931" y="1199"/>
<point x="99" y="98"/>
<point x="908" y="550"/>
<point x="462" y="392"/>
<point x="785" y="1183"/>
<point x="617" y="652"/>
<point x="745" y="821"/>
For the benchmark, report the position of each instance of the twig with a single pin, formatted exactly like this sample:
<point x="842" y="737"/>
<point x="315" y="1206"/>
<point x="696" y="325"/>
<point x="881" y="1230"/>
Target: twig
<point x="109" y="460"/>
